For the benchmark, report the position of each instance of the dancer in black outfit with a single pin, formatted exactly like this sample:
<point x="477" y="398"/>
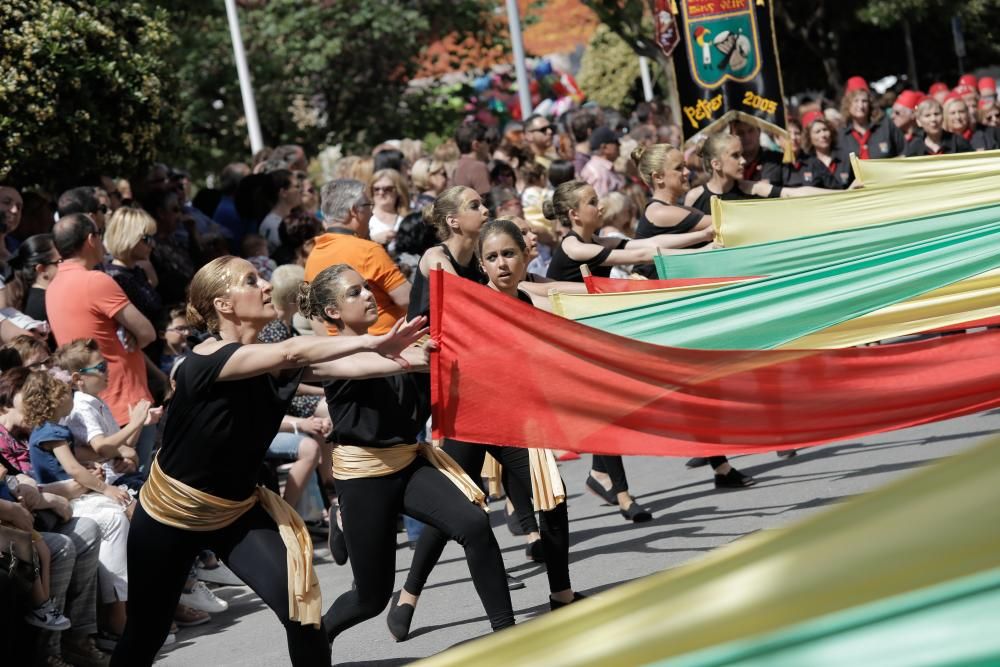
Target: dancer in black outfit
<point x="202" y="490"/>
<point x="575" y="204"/>
<point x="382" y="471"/>
<point x="458" y="214"/>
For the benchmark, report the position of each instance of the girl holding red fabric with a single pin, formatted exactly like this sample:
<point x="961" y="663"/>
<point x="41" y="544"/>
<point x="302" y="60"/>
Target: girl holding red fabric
<point x="932" y="138"/>
<point x="575" y="205"/>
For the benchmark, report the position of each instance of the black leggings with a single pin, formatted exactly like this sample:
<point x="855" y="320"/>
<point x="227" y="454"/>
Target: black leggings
<point x="159" y="559"/>
<point x="517" y="481"/>
<point x="614" y="468"/>
<point x="369" y="507"/>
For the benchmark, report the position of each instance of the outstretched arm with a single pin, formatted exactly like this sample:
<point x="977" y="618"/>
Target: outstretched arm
<point x="259" y="358"/>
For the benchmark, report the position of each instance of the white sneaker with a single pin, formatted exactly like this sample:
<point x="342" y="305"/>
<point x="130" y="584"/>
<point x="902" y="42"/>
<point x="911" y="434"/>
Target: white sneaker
<point x="48" y="617"/>
<point x="203" y="599"/>
<point x="220" y="574"/>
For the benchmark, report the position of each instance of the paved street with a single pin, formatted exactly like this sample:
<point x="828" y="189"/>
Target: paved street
<point x="690" y="518"/>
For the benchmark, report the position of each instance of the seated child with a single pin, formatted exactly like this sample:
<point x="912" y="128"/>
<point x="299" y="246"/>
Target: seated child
<point x="47" y="400"/>
<point x="91" y="422"/>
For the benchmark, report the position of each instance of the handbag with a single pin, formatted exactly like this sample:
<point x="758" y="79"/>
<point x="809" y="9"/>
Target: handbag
<point x="18" y="558"/>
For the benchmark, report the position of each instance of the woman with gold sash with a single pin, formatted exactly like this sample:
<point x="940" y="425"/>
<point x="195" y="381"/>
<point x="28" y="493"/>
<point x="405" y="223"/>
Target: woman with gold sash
<point x="502" y="255"/>
<point x="202" y="489"/>
<point x="382" y="470"/>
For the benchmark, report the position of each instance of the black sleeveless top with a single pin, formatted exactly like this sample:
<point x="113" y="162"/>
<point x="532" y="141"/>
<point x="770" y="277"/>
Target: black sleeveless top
<point x="562" y="267"/>
<point x="378" y="412"/>
<point x="216" y="433"/>
<point x="704" y="201"/>
<point x="644" y="229"/>
<point x="420" y="292"/>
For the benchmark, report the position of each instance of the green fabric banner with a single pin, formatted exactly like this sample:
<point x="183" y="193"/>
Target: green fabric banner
<point x="953" y="623"/>
<point x="810" y="251"/>
<point x="770" y="312"/>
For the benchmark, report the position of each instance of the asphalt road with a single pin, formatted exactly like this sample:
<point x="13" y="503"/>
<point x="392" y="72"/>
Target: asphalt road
<point x="690" y="519"/>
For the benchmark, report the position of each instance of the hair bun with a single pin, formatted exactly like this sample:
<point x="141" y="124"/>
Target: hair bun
<point x="195" y="319"/>
<point x="302" y="299"/>
<point x="637" y="153"/>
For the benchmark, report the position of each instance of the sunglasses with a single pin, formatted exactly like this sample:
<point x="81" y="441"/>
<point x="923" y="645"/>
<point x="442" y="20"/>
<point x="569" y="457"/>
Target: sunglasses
<point x="100" y="368"/>
<point x="546" y="128"/>
<point x="387" y="190"/>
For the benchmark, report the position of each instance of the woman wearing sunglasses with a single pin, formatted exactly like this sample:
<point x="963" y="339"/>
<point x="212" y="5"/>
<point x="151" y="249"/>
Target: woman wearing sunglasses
<point x="391" y="201"/>
<point x="130" y="238"/>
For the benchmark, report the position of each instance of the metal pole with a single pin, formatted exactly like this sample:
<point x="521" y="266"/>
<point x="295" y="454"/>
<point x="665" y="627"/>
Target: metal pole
<point x="911" y="59"/>
<point x="647" y="83"/>
<point x="246" y="87"/>
<point x="523" y="89"/>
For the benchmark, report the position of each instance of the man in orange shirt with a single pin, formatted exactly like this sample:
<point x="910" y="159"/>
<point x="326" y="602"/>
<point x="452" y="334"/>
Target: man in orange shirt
<point x="346" y="212"/>
<point x="83" y="303"/>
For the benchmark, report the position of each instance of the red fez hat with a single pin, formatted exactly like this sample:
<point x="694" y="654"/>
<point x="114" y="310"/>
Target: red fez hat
<point x="909" y="99"/>
<point x="967" y="80"/>
<point x="810" y="117"/>
<point x="987" y="85"/>
<point x="965" y="89"/>
<point x="952" y="96"/>
<point x="856" y="83"/>
<point x="983" y="104"/>
<point x="937" y="87"/>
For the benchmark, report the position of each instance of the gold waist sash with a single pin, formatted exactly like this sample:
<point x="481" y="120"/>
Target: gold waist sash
<point x="547" y="489"/>
<point x="176" y="504"/>
<point x="352" y="462"/>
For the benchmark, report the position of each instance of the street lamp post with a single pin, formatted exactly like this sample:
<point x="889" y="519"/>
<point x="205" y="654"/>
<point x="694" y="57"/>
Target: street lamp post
<point x="523" y="89"/>
<point x="246" y="87"/>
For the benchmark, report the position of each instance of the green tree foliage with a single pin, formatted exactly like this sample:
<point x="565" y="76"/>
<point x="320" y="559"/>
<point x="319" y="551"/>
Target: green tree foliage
<point x="609" y="70"/>
<point x="83" y="88"/>
<point x="324" y="71"/>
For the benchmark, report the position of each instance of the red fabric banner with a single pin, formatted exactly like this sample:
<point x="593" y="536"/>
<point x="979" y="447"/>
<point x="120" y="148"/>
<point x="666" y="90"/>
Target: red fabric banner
<point x="509" y="374"/>
<point x="598" y="285"/>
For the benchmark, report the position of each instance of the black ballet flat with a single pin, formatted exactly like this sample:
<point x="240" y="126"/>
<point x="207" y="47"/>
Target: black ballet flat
<point x="696" y="462"/>
<point x="734" y="479"/>
<point x="337" y="543"/>
<point x="513" y="523"/>
<point x="636" y="514"/>
<point x="399" y="619"/>
<point x="598" y="490"/>
<point x="514" y="584"/>
<point x="556" y="604"/>
<point x="788" y="453"/>
<point x="535" y="551"/>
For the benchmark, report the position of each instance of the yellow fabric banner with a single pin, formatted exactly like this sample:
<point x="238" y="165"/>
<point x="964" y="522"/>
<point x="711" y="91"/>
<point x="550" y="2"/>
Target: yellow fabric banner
<point x="578" y="306"/>
<point x="964" y="301"/>
<point x="893" y="171"/>
<point x="912" y="534"/>
<point x="740" y="223"/>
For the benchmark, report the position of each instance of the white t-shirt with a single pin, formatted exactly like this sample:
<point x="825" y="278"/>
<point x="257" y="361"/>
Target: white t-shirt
<point x="91" y="417"/>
